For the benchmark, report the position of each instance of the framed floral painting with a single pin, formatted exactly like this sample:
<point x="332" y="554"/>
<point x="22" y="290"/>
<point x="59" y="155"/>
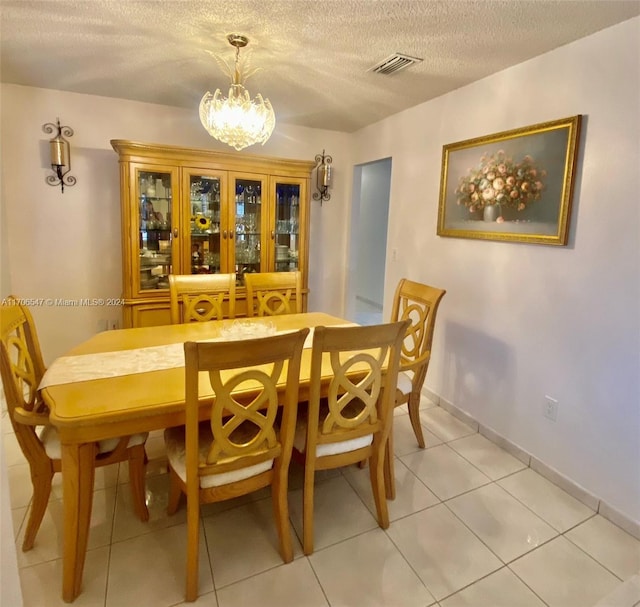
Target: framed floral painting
<point x="516" y="185"/>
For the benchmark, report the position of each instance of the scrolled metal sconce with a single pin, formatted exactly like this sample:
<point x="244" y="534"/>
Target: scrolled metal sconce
<point x="323" y="177"/>
<point x="60" y="155"/>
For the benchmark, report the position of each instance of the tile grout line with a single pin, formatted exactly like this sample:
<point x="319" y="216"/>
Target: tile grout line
<point x="525" y="583"/>
<point x="315" y="574"/>
<point x="404" y="558"/>
<point x="208" y="553"/>
<point x="548" y="473"/>
<point x="558" y="532"/>
<point x="113" y="522"/>
<point x="591" y="556"/>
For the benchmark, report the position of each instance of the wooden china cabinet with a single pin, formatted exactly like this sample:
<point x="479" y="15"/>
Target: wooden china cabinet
<point x="187" y="211"/>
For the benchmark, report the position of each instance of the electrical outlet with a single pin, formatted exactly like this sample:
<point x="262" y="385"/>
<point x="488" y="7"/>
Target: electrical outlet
<point x="550" y="408"/>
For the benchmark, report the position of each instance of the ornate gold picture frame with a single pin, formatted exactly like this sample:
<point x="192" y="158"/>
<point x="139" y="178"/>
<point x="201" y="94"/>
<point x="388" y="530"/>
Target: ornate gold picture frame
<point x="515" y="185"/>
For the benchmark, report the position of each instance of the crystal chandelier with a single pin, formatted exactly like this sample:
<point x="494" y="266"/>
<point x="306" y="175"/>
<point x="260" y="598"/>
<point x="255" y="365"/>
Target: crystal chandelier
<point x="237" y="120"/>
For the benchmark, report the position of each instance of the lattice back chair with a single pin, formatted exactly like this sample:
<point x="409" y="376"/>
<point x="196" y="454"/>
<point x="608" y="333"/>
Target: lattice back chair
<point x="22" y="369"/>
<point x="352" y="423"/>
<point x="201" y="297"/>
<point x="241" y="449"/>
<point x="273" y="293"/>
<point x="418" y="303"/>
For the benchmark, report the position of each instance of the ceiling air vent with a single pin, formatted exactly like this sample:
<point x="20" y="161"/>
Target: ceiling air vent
<point x="394" y="63"/>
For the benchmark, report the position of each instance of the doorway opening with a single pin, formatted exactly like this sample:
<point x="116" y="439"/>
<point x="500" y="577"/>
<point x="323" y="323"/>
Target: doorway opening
<point x="369" y="223"/>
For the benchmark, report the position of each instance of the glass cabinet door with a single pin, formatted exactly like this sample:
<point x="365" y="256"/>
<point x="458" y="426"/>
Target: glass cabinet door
<point x="154" y="195"/>
<point x="287" y="227"/>
<point x="248" y="226"/>
<point x="205" y="248"/>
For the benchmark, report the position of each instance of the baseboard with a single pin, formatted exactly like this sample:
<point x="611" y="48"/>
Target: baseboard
<point x="463" y="416"/>
<point x="572" y="488"/>
<point x="369" y="302"/>
<point x="617" y="518"/>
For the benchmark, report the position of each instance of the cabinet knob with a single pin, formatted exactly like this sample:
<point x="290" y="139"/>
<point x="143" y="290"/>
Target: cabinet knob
<point x="224" y="234"/>
<point x="175" y="232"/>
<point x="273" y="235"/>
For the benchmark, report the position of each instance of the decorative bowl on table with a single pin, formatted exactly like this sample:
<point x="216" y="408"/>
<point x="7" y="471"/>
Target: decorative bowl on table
<point x="242" y="329"/>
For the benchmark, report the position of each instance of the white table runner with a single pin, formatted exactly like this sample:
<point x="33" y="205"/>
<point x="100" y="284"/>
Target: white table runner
<point x="69" y="369"/>
<point x="85" y="367"/>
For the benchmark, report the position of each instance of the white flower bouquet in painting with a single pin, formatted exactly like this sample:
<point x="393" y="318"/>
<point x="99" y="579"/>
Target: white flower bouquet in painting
<point x="498" y="180"/>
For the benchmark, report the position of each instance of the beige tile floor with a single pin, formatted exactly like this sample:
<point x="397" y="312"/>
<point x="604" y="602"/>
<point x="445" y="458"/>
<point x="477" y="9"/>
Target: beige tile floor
<point x="471" y="526"/>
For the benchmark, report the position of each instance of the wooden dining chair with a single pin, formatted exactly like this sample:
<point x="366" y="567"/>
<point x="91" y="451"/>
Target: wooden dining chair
<point x="418" y="303"/>
<point x="273" y="293"/>
<point x="201" y="297"/>
<point x="352" y="423"/>
<point x="22" y="368"/>
<point x="239" y="449"/>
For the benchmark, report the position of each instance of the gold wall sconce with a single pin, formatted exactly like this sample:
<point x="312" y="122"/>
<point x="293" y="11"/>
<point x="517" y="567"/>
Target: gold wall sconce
<point x="60" y="155"/>
<point x="323" y="177"/>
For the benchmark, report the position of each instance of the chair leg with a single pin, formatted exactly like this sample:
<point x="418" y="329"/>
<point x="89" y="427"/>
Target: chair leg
<point x="281" y="514"/>
<point x="175" y="492"/>
<point x="41" y="492"/>
<point x="389" y="468"/>
<point x="307" y="511"/>
<point x="376" y="473"/>
<point x="137" y="469"/>
<point x="193" y="540"/>
<point x="414" y="415"/>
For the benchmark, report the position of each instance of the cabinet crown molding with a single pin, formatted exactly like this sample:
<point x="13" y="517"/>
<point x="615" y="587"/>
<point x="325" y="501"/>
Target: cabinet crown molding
<point x="135" y="151"/>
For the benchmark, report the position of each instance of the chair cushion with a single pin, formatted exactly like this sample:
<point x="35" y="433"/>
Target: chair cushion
<point x="405" y="381"/>
<point x="51" y="441"/>
<point x="300" y="440"/>
<point x="174" y="439"/>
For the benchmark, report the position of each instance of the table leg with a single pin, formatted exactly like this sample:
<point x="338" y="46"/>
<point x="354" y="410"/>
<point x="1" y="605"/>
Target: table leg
<point x="78" y="471"/>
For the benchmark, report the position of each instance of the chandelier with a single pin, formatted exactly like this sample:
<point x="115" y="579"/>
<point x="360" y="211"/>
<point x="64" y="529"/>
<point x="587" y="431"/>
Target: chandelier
<point x="237" y="120"/>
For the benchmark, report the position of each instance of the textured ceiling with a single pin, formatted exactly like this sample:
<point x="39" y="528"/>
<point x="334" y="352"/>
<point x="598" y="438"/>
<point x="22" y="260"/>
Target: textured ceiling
<point x="313" y="56"/>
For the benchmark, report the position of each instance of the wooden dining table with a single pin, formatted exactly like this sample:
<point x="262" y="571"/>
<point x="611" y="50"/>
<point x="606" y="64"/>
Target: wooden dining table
<point x="124" y="382"/>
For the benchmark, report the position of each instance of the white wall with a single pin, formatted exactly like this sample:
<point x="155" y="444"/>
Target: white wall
<point x="522" y="321"/>
<point x="68" y="245"/>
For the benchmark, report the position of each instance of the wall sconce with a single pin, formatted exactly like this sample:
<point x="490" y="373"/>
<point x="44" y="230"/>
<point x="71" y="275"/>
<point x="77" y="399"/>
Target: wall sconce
<point x="60" y="155"/>
<point x="323" y="177"/>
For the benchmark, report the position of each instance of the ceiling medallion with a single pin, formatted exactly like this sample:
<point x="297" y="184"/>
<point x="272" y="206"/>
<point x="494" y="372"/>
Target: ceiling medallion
<point x="237" y="120"/>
